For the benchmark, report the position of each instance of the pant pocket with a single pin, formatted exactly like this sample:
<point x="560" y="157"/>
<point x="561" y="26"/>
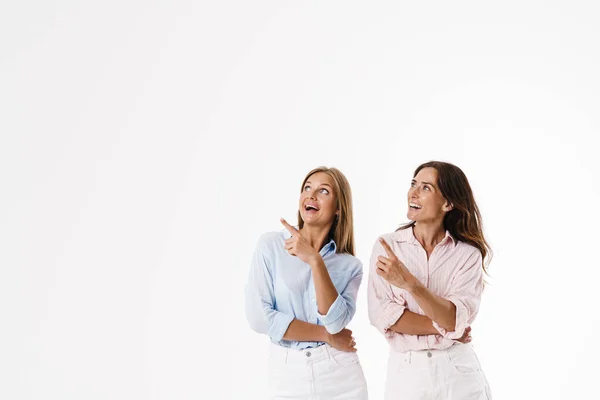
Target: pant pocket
<point x="464" y="362"/>
<point x="467" y="381"/>
<point x="343" y="358"/>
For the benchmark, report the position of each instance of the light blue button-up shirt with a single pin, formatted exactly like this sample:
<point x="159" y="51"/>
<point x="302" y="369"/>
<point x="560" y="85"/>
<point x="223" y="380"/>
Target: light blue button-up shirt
<point x="280" y="288"/>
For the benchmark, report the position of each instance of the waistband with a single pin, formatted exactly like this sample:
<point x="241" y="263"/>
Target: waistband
<point x="287" y="355"/>
<point x="431" y="355"/>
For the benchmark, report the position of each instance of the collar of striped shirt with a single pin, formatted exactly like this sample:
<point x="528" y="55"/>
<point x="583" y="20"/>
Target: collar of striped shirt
<point x="407" y="236"/>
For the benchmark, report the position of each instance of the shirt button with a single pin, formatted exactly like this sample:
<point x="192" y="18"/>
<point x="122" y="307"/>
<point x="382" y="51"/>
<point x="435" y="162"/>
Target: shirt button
<point x="308" y="354"/>
<point x="429" y="354"/>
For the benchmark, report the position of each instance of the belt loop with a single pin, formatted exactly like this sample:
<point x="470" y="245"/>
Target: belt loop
<point x="332" y="359"/>
<point x="329" y="356"/>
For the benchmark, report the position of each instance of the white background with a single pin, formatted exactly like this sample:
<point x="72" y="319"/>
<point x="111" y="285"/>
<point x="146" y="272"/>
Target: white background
<point x="145" y="146"/>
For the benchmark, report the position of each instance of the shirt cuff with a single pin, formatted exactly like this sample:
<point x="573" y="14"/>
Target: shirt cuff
<point x="388" y="316"/>
<point x="336" y="311"/>
<point x="460" y="325"/>
<point x="280" y="324"/>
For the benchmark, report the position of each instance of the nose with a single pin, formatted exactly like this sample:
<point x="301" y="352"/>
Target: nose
<point x="412" y="193"/>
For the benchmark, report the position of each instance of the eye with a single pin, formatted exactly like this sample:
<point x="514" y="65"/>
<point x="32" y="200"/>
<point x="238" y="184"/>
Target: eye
<point x="413" y="184"/>
<point x="426" y="188"/>
<point x="324" y="191"/>
<point x="306" y="188"/>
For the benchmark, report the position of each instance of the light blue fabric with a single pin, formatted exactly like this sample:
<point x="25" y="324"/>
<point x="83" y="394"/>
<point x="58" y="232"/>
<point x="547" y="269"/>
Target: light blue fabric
<point x="280" y="288"/>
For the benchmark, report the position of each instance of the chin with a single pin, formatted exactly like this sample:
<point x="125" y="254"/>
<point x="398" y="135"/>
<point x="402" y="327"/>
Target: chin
<point x="310" y="221"/>
<point x="316" y="222"/>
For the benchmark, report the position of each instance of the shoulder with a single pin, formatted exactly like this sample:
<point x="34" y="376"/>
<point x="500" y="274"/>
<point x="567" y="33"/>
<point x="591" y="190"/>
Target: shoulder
<point x="391" y="238"/>
<point x="350" y="260"/>
<point x="267" y="241"/>
<point x="467" y="255"/>
<point x="269" y="237"/>
<point x="345" y="264"/>
<point x="467" y="250"/>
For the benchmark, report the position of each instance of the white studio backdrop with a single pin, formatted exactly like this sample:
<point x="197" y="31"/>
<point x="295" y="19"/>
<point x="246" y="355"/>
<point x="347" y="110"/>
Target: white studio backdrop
<point x="145" y="146"/>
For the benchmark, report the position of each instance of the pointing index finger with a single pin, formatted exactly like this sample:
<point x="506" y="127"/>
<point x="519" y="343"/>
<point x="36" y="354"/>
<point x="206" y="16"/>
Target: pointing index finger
<point x="387" y="248"/>
<point x="290" y="228"/>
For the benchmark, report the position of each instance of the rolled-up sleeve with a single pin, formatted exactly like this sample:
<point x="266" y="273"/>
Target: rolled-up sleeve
<point x="465" y="294"/>
<point x="342" y="310"/>
<point x="260" y="297"/>
<point x="384" y="307"/>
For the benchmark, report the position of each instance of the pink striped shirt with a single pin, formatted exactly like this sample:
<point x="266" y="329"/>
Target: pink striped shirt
<point x="453" y="272"/>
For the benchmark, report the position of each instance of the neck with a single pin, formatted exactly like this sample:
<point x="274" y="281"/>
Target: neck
<point x="315" y="235"/>
<point x="429" y="234"/>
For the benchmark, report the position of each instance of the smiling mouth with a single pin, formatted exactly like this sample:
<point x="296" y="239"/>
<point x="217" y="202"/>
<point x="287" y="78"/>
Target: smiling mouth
<point x="309" y="208"/>
<point x="414" y="206"/>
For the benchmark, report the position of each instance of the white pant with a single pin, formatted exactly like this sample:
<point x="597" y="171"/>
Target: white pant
<point x="322" y="373"/>
<point x="450" y="374"/>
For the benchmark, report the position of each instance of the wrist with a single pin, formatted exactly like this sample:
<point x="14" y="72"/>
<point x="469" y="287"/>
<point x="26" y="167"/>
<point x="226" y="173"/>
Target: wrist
<point x="314" y="260"/>
<point x="325" y="336"/>
<point x="414" y="286"/>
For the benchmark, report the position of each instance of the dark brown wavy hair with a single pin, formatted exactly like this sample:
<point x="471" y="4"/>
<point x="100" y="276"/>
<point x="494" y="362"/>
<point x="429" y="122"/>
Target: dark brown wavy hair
<point x="464" y="220"/>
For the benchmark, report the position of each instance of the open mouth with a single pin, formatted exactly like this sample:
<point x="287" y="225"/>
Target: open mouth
<point x="310" y="208"/>
<point x="414" y="206"/>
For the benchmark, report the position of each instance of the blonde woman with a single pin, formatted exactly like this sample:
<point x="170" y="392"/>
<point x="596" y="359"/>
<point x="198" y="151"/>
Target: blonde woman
<point x="425" y="286"/>
<point x="302" y="290"/>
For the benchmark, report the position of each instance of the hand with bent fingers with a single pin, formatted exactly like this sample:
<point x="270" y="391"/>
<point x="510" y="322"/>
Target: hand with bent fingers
<point x="298" y="246"/>
<point x="393" y="270"/>
<point x="342" y="340"/>
<point x="466" y="337"/>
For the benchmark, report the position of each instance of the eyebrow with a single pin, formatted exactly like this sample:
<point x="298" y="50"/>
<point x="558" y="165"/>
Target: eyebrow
<point x="424" y="182"/>
<point x="322" y="184"/>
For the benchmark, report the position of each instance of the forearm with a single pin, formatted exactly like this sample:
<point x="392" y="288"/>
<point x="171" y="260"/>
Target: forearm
<point x="438" y="309"/>
<point x="301" y="331"/>
<point x="411" y="323"/>
<point x="325" y="291"/>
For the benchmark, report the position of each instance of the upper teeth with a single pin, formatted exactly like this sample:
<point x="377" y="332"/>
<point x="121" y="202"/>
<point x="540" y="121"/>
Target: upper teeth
<point x="414" y="205"/>
<point x="309" y="206"/>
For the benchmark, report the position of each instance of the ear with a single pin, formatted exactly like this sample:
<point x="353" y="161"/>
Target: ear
<point x="448" y="207"/>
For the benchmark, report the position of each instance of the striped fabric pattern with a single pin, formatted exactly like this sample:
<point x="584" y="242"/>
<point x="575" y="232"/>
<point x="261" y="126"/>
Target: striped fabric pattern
<point x="453" y="272"/>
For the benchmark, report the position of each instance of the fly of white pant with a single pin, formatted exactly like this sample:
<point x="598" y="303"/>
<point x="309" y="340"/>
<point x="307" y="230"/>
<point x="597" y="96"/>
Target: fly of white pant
<point x="450" y="374"/>
<point x="322" y="373"/>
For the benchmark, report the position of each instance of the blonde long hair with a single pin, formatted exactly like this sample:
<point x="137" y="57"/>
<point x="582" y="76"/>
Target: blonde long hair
<point x="342" y="229"/>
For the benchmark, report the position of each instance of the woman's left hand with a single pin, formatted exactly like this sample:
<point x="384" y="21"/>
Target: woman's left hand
<point x="298" y="246"/>
<point x="393" y="270"/>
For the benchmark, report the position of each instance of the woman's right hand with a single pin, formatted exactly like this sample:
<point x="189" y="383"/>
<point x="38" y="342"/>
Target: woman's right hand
<point x="466" y="337"/>
<point x="342" y="340"/>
